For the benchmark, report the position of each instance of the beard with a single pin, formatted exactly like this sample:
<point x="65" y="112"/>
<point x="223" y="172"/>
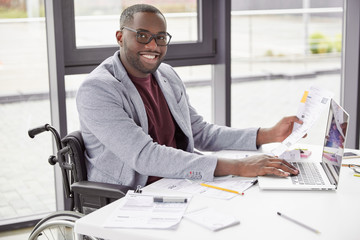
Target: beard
<point x="134" y="60"/>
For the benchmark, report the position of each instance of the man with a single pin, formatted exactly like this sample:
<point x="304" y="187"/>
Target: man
<point x="138" y="124"/>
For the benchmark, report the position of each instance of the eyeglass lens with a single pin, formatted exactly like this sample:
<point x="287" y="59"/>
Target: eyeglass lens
<point x="162" y="39"/>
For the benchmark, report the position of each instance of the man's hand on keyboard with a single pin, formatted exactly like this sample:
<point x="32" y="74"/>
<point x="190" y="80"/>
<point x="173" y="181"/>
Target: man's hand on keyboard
<point x="257" y="165"/>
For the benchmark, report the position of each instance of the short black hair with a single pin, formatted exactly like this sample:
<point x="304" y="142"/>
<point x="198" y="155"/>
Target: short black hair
<point x="128" y="14"/>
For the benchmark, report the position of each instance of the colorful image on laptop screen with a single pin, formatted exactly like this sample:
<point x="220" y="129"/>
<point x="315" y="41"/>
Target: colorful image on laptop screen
<point x="335" y="139"/>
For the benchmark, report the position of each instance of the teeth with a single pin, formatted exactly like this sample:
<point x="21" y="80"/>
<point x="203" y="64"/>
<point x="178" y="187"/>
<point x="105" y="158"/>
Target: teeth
<point x="149" y="56"/>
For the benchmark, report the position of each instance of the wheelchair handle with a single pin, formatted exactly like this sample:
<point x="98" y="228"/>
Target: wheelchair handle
<point x="47" y="127"/>
<point x="35" y="131"/>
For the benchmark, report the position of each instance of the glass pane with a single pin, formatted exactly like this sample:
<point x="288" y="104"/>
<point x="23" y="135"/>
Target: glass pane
<point x="72" y="83"/>
<point x="97" y="21"/>
<point x="197" y="80"/>
<point x="278" y="53"/>
<point x="26" y="178"/>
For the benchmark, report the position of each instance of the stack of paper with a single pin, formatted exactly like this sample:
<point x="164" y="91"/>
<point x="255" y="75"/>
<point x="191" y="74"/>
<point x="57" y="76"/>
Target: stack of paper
<point x="238" y="184"/>
<point x="141" y="211"/>
<point x="211" y="219"/>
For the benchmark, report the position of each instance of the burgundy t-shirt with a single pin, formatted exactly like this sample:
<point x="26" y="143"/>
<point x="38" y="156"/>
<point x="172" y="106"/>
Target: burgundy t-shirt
<point x="161" y="123"/>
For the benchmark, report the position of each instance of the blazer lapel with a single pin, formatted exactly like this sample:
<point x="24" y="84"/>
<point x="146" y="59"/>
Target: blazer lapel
<point x="172" y="103"/>
<point x="133" y="94"/>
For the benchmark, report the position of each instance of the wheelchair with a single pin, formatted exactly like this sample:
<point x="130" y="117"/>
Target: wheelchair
<point x="85" y="196"/>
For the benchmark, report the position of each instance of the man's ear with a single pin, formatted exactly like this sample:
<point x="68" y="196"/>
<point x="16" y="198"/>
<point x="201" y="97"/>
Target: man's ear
<point x="119" y="36"/>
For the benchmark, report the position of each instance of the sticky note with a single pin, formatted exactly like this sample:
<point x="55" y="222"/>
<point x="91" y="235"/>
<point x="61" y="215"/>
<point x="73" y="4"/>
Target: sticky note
<point x="304" y="97"/>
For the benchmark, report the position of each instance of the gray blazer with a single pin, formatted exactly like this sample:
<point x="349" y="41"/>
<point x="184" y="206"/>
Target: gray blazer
<point x="114" y="125"/>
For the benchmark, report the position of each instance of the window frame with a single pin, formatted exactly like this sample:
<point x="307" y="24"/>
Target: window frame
<point x="351" y="70"/>
<point x="83" y="59"/>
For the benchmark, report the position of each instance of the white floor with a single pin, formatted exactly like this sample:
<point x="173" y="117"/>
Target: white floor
<point x="21" y="234"/>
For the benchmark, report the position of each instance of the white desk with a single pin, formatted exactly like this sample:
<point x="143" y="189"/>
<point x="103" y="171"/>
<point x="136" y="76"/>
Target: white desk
<point x="334" y="213"/>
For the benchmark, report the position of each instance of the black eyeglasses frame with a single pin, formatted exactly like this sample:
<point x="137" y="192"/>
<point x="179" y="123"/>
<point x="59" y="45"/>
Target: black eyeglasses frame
<point x="153" y="36"/>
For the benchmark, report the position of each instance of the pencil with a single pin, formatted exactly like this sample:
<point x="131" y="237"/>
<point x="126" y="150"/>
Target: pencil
<point x="297" y="222"/>
<point x="220" y="188"/>
<point x="350" y="165"/>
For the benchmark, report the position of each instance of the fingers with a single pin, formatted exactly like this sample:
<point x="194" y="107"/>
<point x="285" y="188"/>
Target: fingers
<point x="293" y="119"/>
<point x="279" y="167"/>
<point x="259" y="165"/>
<point x="287" y="164"/>
<point x="276" y="172"/>
<point x="283" y="129"/>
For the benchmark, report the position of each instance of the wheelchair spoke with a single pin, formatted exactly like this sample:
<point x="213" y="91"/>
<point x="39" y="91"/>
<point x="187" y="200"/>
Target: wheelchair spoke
<point x="63" y="234"/>
<point x="58" y="226"/>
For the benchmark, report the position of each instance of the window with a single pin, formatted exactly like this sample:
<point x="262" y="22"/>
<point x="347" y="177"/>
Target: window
<point x="197" y="80"/>
<point x="24" y="104"/>
<point x="102" y="18"/>
<point x="84" y="50"/>
<point x="278" y="53"/>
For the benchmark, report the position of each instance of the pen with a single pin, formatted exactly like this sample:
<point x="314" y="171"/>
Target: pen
<point x="252" y="184"/>
<point x="297" y="222"/>
<point x="170" y="199"/>
<point x="220" y="188"/>
<point x="350" y="165"/>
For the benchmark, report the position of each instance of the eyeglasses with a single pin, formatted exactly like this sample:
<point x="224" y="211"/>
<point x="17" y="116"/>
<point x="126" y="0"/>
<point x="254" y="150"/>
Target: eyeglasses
<point x="354" y="167"/>
<point x="144" y="37"/>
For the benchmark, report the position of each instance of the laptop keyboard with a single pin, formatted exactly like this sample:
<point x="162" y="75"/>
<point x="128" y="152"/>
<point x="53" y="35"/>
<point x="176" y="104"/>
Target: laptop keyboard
<point x="308" y="174"/>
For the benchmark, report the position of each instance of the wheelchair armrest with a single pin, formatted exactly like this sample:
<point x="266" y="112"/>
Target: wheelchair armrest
<point x="106" y="190"/>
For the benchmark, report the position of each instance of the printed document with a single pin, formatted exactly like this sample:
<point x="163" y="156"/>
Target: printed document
<point x="311" y="106"/>
<point x="139" y="210"/>
<point x="239" y="184"/>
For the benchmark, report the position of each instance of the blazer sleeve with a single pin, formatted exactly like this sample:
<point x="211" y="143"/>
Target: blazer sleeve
<point x="212" y="137"/>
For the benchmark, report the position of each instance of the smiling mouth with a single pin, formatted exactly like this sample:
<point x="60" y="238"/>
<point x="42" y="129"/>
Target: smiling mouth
<point x="151" y="56"/>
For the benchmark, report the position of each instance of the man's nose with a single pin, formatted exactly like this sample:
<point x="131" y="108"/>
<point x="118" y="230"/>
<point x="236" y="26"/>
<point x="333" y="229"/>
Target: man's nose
<point x="152" y="44"/>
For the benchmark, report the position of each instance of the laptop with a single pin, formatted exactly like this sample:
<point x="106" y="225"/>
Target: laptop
<point x="318" y="174"/>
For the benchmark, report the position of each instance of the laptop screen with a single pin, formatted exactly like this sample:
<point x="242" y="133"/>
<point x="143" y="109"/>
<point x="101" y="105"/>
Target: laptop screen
<point x="335" y="138"/>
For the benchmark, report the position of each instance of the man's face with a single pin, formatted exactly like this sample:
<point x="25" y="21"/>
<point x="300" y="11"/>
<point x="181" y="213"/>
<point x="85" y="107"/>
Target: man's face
<point x="142" y="59"/>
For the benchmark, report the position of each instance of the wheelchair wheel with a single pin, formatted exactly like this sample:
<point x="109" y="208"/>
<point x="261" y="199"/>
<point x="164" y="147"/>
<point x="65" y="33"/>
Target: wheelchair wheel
<point x="58" y="226"/>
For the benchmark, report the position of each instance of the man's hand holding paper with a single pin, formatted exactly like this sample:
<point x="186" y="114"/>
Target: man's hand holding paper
<point x="311" y="106"/>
